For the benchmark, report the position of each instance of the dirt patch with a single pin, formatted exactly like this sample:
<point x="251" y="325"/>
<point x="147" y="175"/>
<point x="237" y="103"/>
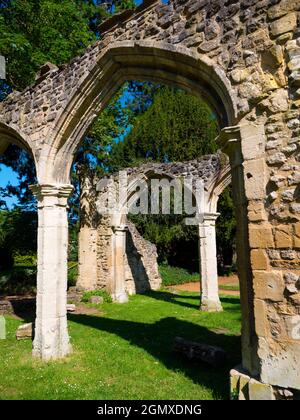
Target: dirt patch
<point x="226" y="281"/>
<point x="82" y="309"/>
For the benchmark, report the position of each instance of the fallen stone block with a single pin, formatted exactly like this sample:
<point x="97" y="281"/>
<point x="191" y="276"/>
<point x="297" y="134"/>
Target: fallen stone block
<point x="96" y="300"/>
<point x="212" y="355"/>
<point x="25" y="332"/>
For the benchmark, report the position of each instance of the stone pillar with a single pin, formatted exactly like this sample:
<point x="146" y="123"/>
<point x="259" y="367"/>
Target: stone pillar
<point x="51" y="333"/>
<point x="245" y="146"/>
<point x="87" y="258"/>
<point x="210" y="301"/>
<point x="88" y="235"/>
<point x="119" y="248"/>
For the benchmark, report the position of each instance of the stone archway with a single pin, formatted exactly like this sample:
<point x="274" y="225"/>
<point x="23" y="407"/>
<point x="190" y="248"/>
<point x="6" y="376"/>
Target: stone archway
<point x="244" y="57"/>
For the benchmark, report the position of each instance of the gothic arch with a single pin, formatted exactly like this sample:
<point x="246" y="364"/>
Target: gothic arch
<point x="11" y="134"/>
<point x="142" y="60"/>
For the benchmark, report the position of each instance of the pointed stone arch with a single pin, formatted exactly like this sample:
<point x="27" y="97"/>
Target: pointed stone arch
<point x="146" y="61"/>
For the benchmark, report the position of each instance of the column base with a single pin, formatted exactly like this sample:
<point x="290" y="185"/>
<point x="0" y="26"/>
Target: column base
<point x="244" y="387"/>
<point x="208" y="305"/>
<point x="51" y="340"/>
<point x="121" y="298"/>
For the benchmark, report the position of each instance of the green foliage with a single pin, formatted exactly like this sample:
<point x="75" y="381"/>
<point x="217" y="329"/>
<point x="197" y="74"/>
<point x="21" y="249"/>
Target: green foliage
<point x="34" y="32"/>
<point x="18" y="281"/>
<point x="103" y="293"/>
<point x="25" y="260"/>
<point x="31" y="33"/>
<point x="72" y="274"/>
<point x="176" y="127"/>
<point x="225" y="230"/>
<point x="172" y="276"/>
<point x="18" y="235"/>
<point x="168" y="125"/>
<point x="175" y="241"/>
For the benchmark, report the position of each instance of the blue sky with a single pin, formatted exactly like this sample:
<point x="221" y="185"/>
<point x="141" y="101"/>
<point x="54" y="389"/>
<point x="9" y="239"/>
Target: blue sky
<point x="8" y="176"/>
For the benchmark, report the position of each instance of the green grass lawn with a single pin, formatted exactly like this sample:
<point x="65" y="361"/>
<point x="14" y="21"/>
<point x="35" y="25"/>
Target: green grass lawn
<point x="125" y="353"/>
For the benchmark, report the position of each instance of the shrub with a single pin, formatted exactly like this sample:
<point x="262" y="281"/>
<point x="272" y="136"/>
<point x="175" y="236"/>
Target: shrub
<point x="25" y="260"/>
<point x="18" y="281"/>
<point x="103" y="293"/>
<point x="72" y="274"/>
<point x="174" y="275"/>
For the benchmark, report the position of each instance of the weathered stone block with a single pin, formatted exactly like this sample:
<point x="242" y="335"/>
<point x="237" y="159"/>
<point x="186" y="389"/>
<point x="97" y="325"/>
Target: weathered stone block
<point x="292" y="325"/>
<point x="259" y="259"/>
<point x="283" y="7"/>
<point x="297" y="235"/>
<point x="283" y="236"/>
<point x="260" y="318"/>
<point x="255" y="179"/>
<point x="268" y="285"/>
<point x="25" y="332"/>
<point x="292" y="282"/>
<point x="96" y="300"/>
<point x="260" y="391"/>
<point x="285" y="24"/>
<point x="239" y="384"/>
<point x="276" y="159"/>
<point x="256" y="211"/>
<point x="261" y="236"/>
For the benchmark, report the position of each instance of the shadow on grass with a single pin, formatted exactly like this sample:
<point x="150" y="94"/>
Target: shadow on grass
<point x="180" y="299"/>
<point x="24" y="308"/>
<point x="157" y="339"/>
<point x="174" y="298"/>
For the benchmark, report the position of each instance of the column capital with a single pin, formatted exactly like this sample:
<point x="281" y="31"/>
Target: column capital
<point x="210" y="217"/>
<point x="53" y="194"/>
<point x="242" y="142"/>
<point x="120" y="228"/>
<point x="229" y="136"/>
<point x="52" y="190"/>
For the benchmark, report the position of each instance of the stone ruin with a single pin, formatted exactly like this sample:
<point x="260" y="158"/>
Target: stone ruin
<point x="243" y="58"/>
<point x="138" y="270"/>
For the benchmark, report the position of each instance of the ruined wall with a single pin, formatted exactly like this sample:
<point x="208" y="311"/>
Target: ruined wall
<point x="141" y="263"/>
<point x="96" y="269"/>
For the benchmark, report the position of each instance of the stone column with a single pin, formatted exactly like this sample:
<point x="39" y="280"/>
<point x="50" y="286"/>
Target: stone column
<point x="87" y="258"/>
<point x="245" y="146"/>
<point x="210" y="301"/>
<point x="119" y="248"/>
<point x="88" y="235"/>
<point x="51" y="333"/>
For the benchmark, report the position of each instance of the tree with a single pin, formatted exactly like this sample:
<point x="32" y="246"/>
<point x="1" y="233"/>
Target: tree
<point x="18" y="233"/>
<point x="36" y="31"/>
<point x="226" y="230"/>
<point x="33" y="32"/>
<point x="176" y="127"/>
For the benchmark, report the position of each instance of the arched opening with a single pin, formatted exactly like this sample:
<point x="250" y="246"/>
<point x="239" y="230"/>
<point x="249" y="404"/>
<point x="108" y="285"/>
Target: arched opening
<point x="160" y="296"/>
<point x="18" y="220"/>
<point x="167" y="157"/>
<point x="128" y="60"/>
